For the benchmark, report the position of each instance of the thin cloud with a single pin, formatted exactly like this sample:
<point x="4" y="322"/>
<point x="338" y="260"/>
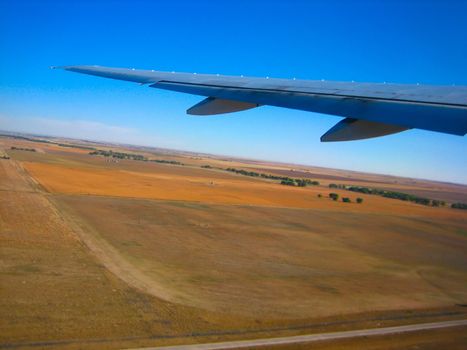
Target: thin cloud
<point x="83" y="129"/>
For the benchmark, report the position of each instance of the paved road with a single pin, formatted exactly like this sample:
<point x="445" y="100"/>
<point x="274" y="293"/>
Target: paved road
<point x="313" y="337"/>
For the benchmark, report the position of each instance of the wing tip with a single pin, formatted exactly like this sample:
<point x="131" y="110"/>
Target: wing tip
<point x="74" y="67"/>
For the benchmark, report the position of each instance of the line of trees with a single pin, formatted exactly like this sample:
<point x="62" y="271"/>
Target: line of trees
<point x="284" y="180"/>
<point x="299" y="182"/>
<point x="255" y="174"/>
<point x="164" y="161"/>
<point x="132" y="156"/>
<point x="23" y="149"/>
<point x="391" y="194"/>
<point x="337" y="186"/>
<point x="119" y="155"/>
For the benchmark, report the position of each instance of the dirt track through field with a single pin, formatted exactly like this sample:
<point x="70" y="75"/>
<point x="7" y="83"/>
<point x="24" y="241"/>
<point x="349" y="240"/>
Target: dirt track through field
<point x="104" y="252"/>
<point x="112" y="259"/>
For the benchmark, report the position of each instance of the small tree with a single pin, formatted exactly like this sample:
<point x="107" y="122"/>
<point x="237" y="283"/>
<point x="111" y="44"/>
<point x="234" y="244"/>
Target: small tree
<point x="359" y="200"/>
<point x="334" y="196"/>
<point x="319" y="195"/>
<point x="346" y="200"/>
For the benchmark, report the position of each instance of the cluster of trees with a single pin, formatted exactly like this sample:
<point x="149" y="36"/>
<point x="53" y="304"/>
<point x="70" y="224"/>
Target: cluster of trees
<point x="337" y="186"/>
<point x="311" y="182"/>
<point x="288" y="182"/>
<point x="391" y="194"/>
<point x="119" y="155"/>
<point x="396" y="195"/>
<point x="254" y="174"/>
<point x="206" y="166"/>
<point x="166" y="161"/>
<point x="299" y="182"/>
<point x="23" y="149"/>
<point x="335" y="197"/>
<point x="285" y="180"/>
<point x="437" y="203"/>
<point x="459" y="206"/>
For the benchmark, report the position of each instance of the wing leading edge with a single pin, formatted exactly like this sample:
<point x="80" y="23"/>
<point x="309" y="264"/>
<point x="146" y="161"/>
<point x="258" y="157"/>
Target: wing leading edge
<point x="370" y="109"/>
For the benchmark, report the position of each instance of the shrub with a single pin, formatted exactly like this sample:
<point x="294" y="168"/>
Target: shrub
<point x="346" y="200"/>
<point x="319" y="195"/>
<point x="334" y="196"/>
<point x="359" y="200"/>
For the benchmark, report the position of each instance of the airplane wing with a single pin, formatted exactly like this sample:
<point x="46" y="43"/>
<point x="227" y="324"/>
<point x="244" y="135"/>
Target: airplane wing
<point x="369" y="109"/>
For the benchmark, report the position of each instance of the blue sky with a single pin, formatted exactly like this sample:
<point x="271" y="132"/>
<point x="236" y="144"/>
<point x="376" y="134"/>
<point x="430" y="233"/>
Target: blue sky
<point x="393" y="41"/>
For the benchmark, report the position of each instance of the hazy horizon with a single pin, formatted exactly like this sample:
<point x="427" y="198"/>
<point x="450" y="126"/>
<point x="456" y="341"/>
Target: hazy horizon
<point x="133" y="144"/>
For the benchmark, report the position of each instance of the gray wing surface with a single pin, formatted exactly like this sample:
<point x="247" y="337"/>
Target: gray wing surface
<point x="369" y="109"/>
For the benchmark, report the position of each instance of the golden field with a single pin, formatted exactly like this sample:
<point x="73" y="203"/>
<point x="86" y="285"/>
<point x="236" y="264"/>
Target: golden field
<point x="108" y="254"/>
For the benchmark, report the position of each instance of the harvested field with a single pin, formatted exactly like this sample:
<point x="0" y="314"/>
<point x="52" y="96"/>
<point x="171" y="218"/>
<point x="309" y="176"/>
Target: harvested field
<point x="277" y="262"/>
<point x="53" y="288"/>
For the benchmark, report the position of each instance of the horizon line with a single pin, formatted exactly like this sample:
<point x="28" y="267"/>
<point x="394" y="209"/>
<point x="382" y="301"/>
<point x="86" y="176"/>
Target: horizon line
<point x="226" y="155"/>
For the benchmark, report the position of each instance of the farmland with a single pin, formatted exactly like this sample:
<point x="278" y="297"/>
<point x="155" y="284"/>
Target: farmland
<point x="123" y="252"/>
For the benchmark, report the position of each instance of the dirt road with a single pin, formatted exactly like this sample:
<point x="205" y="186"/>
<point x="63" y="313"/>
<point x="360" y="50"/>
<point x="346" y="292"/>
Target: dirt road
<point x="314" y="337"/>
